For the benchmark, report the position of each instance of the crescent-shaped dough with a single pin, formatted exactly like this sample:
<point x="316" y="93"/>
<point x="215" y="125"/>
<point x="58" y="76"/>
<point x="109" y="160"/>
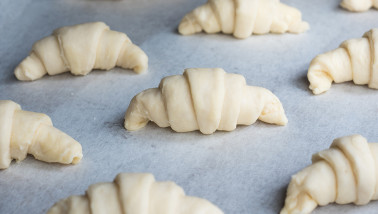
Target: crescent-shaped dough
<point x="242" y="18"/>
<point x="134" y="193"/>
<point x="25" y="132"/>
<point x="345" y="173"/>
<point x="204" y="99"/>
<point x="80" y="49"/>
<point x="359" y="5"/>
<point x="355" y="59"/>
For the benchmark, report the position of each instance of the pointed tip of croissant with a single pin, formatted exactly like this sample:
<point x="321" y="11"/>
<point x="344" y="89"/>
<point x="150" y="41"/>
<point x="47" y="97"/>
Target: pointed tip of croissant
<point x="189" y="26"/>
<point x="133" y="57"/>
<point x="24" y="75"/>
<point x="299" y="27"/>
<point x="355" y="5"/>
<point x="284" y="211"/>
<point x="134" y="117"/>
<point x="54" y="146"/>
<point x="21" y="74"/>
<point x="184" y="28"/>
<point x="280" y="118"/>
<point x="315" y="90"/>
<point x="131" y="125"/>
<point x="141" y="60"/>
<point x="320" y="81"/>
<point x="142" y="66"/>
<point x="283" y="121"/>
<point x="31" y="68"/>
<point x="273" y="111"/>
<point x="75" y="152"/>
<point x="297" y="200"/>
<point x="77" y="158"/>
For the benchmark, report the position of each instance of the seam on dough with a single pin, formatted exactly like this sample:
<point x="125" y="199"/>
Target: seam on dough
<point x="235" y="18"/>
<point x="351" y="61"/>
<point x="123" y="48"/>
<point x="363" y="158"/>
<point x="61" y="50"/>
<point x="165" y="104"/>
<point x="191" y="22"/>
<point x="325" y="71"/>
<point x="191" y="98"/>
<point x="375" y="171"/>
<point x="119" y="196"/>
<point x="97" y="47"/>
<point x="217" y="15"/>
<point x="10" y="138"/>
<point x="224" y="97"/>
<point x="66" y="66"/>
<point x="371" y="49"/>
<point x="312" y="198"/>
<point x="32" y="142"/>
<point x="149" y="196"/>
<point x="234" y="14"/>
<point x="40" y="59"/>
<point x="334" y="172"/>
<point x="353" y="171"/>
<point x="145" y="112"/>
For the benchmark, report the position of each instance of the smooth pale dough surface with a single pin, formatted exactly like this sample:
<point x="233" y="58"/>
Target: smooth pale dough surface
<point x="80" y="49"/>
<point x="25" y="132"/>
<point x="242" y="18"/>
<point x="359" y="5"/>
<point x="134" y="193"/>
<point x="355" y="59"/>
<point x="345" y="173"/>
<point x="205" y="99"/>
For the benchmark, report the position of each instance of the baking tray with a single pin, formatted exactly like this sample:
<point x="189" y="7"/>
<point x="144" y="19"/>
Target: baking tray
<point x="244" y="171"/>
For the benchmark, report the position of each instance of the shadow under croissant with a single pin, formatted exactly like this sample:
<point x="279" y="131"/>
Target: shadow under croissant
<point x="347" y="88"/>
<point x="115" y="70"/>
<point x="152" y="128"/>
<point x="31" y="162"/>
<point x="10" y="78"/>
<point x="301" y="82"/>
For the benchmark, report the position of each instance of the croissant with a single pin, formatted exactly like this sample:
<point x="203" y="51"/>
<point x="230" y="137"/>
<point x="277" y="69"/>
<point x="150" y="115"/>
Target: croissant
<point x="345" y="173"/>
<point x="204" y="99"/>
<point x="134" y="193"/>
<point x="355" y="59"/>
<point x="359" y="5"/>
<point x="242" y="18"/>
<point x="25" y="132"/>
<point x="79" y="49"/>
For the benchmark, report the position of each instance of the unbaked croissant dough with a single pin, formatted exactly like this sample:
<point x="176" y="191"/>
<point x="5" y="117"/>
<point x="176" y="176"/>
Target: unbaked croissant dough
<point x="134" y="193"/>
<point x="242" y="18"/>
<point x="25" y="132"/>
<point x="79" y="49"/>
<point x="345" y="173"/>
<point x="355" y="59"/>
<point x="204" y="99"/>
<point x="359" y="5"/>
